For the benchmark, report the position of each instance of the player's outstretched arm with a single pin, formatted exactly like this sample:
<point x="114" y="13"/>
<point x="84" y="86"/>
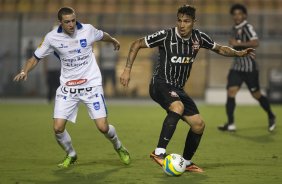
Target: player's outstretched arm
<point x="229" y="52"/>
<point x="108" y="38"/>
<point x="134" y="48"/>
<point x="29" y="65"/>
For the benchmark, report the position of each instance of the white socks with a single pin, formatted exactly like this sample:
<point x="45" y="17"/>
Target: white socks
<point x="64" y="141"/>
<point x="159" y="151"/>
<point x="112" y="136"/>
<point x="187" y="162"/>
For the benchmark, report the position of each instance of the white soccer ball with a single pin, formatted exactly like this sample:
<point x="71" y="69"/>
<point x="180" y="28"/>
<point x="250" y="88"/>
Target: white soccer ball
<point x="174" y="165"/>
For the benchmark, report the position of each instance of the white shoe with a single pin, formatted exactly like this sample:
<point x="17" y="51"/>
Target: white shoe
<point x="227" y="127"/>
<point x="271" y="124"/>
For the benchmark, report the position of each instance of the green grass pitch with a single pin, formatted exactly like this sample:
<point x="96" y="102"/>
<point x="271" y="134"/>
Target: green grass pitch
<point x="29" y="153"/>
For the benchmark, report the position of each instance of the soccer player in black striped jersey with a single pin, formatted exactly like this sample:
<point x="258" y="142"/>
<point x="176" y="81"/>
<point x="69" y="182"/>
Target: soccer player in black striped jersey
<point x="178" y="47"/>
<point x="244" y="69"/>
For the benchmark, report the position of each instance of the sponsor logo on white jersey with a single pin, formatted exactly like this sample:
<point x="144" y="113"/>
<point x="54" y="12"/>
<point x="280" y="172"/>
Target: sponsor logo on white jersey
<point x="62" y="46"/>
<point x="76" y="82"/>
<point x="75" y="51"/>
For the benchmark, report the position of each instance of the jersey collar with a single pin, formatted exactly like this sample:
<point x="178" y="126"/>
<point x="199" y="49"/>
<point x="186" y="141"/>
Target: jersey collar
<point x="78" y="25"/>
<point x="241" y="24"/>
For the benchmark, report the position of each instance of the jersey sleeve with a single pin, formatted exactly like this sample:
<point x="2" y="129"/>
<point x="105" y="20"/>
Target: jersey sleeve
<point x="44" y="48"/>
<point x="155" y="39"/>
<point x="96" y="34"/>
<point x="251" y="33"/>
<point x="207" y="42"/>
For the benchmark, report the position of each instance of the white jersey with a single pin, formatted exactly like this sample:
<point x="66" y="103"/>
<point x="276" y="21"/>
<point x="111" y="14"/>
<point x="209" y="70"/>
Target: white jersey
<point x="79" y="68"/>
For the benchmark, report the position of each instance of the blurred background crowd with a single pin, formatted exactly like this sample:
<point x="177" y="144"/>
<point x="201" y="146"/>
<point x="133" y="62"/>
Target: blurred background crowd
<point x="24" y="23"/>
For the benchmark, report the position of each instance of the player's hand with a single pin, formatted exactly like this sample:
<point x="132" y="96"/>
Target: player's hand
<point x="125" y="77"/>
<point x="21" y="76"/>
<point x="248" y="51"/>
<point x="116" y="44"/>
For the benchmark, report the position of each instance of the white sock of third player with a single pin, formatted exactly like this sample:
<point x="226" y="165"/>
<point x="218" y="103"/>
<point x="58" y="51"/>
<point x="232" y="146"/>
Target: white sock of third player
<point x="64" y="141"/>
<point x="112" y="136"/>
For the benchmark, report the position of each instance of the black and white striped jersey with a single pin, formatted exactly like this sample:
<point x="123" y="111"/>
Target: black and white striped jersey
<point x="244" y="32"/>
<point x="176" y="55"/>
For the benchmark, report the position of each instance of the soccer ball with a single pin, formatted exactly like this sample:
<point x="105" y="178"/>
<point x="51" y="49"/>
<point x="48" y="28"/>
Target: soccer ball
<point x="174" y="165"/>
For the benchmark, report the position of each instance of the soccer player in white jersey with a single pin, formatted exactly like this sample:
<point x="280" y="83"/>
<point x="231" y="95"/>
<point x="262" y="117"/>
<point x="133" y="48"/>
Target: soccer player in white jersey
<point x="80" y="80"/>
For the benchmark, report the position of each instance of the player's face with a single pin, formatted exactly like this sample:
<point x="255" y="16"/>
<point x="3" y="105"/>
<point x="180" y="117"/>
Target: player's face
<point x="68" y="23"/>
<point x="185" y="25"/>
<point x="238" y="16"/>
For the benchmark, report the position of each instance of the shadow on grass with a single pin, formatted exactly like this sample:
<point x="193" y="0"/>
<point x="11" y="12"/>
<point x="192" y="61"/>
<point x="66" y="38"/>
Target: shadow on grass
<point x="259" y="138"/>
<point x="186" y="177"/>
<point x="222" y="165"/>
<point x="253" y="134"/>
<point x="99" y="171"/>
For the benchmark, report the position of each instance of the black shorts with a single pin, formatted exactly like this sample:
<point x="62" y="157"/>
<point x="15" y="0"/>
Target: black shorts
<point x="164" y="94"/>
<point x="236" y="78"/>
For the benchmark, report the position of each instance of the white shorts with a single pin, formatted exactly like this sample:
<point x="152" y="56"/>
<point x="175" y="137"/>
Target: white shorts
<point x="68" y="99"/>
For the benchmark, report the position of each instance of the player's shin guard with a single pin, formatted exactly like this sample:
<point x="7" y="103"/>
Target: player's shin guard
<point x="230" y="107"/>
<point x="191" y="144"/>
<point x="168" y="129"/>
<point x="64" y="141"/>
<point x="112" y="136"/>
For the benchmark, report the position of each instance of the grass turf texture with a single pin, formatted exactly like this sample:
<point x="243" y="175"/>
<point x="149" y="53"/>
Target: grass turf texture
<point x="29" y="153"/>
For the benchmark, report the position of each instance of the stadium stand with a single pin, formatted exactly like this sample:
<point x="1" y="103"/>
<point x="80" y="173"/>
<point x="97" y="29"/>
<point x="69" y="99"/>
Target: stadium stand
<point x="130" y="19"/>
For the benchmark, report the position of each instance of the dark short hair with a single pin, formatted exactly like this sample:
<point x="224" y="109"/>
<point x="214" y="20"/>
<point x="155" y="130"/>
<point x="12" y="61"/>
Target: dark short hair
<point x="238" y="7"/>
<point x="65" y="11"/>
<point x="187" y="10"/>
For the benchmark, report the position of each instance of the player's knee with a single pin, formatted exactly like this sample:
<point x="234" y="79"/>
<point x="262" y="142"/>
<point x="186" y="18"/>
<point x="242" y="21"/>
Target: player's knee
<point x="198" y="127"/>
<point x="103" y="129"/>
<point x="177" y="107"/>
<point x="59" y="126"/>
<point x="231" y="92"/>
<point x="58" y="129"/>
<point x="102" y="125"/>
<point x="256" y="95"/>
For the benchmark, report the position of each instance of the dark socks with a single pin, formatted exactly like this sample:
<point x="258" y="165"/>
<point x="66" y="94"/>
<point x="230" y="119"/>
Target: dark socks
<point x="191" y="144"/>
<point x="265" y="105"/>
<point x="230" y="107"/>
<point x="169" y="126"/>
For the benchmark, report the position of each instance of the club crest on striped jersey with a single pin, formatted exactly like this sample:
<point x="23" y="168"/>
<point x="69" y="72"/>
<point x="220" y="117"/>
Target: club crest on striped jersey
<point x="196" y="46"/>
<point x="173" y="94"/>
